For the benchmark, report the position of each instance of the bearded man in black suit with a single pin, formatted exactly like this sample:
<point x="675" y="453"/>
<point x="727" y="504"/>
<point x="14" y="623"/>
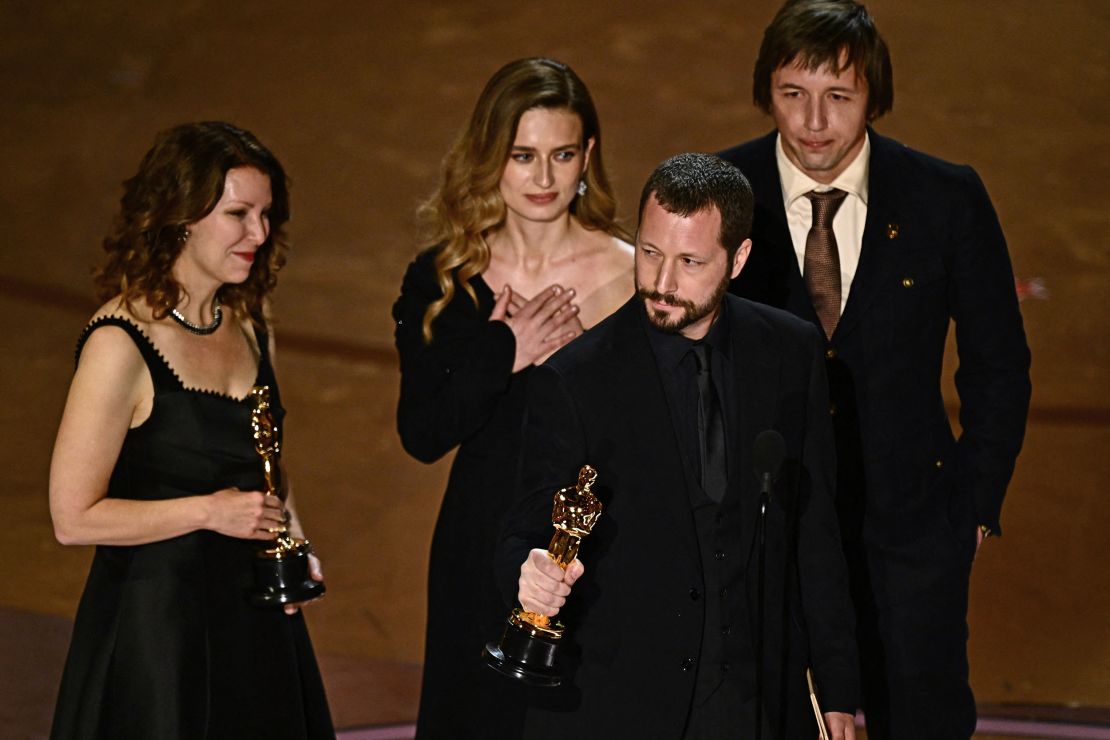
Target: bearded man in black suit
<point x="882" y="247"/>
<point x="665" y="398"/>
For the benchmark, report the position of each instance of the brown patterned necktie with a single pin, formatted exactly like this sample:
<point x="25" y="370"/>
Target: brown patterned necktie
<point x="822" y="260"/>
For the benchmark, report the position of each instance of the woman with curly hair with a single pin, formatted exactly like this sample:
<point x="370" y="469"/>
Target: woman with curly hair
<point x="527" y="255"/>
<point x="155" y="462"/>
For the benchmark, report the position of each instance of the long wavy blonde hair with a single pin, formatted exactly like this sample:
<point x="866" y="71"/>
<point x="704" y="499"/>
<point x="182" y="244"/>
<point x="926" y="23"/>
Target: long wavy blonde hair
<point x="468" y="202"/>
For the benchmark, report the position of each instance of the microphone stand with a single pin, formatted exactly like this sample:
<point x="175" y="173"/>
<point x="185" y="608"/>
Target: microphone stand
<point x="765" y="487"/>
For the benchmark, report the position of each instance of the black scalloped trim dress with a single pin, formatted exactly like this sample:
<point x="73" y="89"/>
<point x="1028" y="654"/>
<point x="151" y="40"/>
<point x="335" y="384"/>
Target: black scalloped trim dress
<point x="165" y="644"/>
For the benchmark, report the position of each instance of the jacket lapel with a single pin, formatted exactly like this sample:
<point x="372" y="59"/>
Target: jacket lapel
<point x="880" y="235"/>
<point x="638" y="395"/>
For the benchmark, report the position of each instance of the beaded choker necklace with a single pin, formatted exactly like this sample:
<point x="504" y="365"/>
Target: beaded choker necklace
<point x="189" y="326"/>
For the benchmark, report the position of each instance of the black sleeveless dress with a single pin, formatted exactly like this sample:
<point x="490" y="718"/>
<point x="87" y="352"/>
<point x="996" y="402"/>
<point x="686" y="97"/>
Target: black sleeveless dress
<point x="165" y="645"/>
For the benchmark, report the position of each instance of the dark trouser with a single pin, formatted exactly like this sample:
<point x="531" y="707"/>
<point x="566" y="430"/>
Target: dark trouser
<point x="913" y="659"/>
<point x="724" y="716"/>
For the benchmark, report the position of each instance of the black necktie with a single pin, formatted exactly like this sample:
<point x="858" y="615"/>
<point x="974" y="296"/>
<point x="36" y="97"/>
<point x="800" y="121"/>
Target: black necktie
<point x="822" y="259"/>
<point x="711" y="430"/>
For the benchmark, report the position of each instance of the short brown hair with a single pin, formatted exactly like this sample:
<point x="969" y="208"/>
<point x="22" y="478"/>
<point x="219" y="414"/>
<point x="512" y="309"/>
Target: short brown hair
<point x="179" y="182"/>
<point x="816" y="33"/>
<point x="693" y="183"/>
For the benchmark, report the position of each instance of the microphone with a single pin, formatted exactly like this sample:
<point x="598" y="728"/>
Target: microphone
<point x="770" y="451"/>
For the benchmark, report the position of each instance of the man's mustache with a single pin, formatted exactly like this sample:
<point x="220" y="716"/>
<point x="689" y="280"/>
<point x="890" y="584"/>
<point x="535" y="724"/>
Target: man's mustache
<point x="668" y="300"/>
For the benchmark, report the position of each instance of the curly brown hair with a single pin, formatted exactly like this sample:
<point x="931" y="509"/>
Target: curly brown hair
<point x="179" y="182"/>
<point x="467" y="202"/>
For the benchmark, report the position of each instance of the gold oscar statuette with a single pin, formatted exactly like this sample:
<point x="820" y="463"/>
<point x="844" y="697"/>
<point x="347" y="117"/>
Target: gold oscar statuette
<point x="528" y="648"/>
<point x="281" y="570"/>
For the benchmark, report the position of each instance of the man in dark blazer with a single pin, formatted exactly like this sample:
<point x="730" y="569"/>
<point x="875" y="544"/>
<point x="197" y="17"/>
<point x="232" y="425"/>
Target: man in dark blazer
<point x="665" y="399"/>
<point x="881" y="247"/>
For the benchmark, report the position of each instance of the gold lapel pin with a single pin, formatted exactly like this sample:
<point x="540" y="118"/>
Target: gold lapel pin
<point x="892" y="231"/>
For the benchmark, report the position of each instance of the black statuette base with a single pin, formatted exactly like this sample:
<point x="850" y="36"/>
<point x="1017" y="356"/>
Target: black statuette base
<point x="519" y="655"/>
<point x="285" y="580"/>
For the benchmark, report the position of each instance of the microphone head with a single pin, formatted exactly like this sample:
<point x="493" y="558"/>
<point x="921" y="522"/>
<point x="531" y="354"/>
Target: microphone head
<point x="770" y="451"/>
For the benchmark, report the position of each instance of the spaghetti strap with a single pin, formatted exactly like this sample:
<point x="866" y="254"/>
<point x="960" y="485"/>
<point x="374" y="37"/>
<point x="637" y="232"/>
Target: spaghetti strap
<point x="265" y="368"/>
<point x="160" y="372"/>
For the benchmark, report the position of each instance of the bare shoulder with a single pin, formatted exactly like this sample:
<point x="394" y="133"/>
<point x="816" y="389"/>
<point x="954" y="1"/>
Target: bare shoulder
<point x="137" y="313"/>
<point x="110" y="350"/>
<point x="610" y="254"/>
<point x="615" y="261"/>
<point x="609" y="280"/>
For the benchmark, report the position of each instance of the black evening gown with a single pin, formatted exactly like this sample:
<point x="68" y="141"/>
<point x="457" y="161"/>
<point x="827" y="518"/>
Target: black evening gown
<point x="165" y="645"/>
<point x="460" y="391"/>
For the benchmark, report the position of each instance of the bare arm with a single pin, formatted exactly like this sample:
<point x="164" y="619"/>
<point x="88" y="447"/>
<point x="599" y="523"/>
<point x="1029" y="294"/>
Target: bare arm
<point x="111" y="392"/>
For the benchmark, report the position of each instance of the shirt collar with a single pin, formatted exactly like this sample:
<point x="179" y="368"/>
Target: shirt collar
<point x="796" y="183"/>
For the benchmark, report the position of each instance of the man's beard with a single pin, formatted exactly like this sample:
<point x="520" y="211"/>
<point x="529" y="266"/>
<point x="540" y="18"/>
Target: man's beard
<point x="693" y="313"/>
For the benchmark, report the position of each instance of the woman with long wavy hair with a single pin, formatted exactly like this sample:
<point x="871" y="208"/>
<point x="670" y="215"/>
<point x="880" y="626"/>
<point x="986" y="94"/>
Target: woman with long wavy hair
<point x="155" y="461"/>
<point x="527" y="255"/>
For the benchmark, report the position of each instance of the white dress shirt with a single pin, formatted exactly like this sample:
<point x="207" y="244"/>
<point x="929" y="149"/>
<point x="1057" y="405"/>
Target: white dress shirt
<point x="849" y="220"/>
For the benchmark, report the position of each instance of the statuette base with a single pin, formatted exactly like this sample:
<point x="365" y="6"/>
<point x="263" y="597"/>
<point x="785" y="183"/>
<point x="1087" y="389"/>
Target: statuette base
<point x="282" y="577"/>
<point x="528" y="657"/>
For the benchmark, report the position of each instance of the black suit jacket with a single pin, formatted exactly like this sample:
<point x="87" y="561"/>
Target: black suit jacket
<point x="932" y="252"/>
<point x="634" y="618"/>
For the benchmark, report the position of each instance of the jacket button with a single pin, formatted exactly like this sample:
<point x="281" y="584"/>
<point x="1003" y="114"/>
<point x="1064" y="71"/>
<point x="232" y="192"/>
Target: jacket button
<point x="725" y="667"/>
<point x="940" y="464"/>
<point x="719" y="555"/>
<point x="695" y="594"/>
<point x="726" y="630"/>
<point x="907" y="282"/>
<point x="687" y="664"/>
<point x="830" y="353"/>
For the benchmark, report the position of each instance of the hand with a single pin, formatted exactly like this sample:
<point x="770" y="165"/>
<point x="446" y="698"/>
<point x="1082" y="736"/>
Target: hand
<point x="250" y="515"/>
<point x="317" y="574"/>
<point x="517" y="304"/>
<point x="541" y="325"/>
<point x="842" y="726"/>
<point x="543" y="585"/>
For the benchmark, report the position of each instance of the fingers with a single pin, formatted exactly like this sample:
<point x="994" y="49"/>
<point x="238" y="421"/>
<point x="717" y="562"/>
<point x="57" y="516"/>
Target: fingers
<point x="574" y="572"/>
<point x="564" y="325"/>
<point x="265" y="512"/>
<point x="500" y="308"/>
<point x="557" y="339"/>
<point x="543" y="325"/>
<point x="841" y="725"/>
<point x="317" y="574"/>
<point x="547" y="302"/>
<point x="542" y="585"/>
<point x="516" y="303"/>
<point x="314" y="568"/>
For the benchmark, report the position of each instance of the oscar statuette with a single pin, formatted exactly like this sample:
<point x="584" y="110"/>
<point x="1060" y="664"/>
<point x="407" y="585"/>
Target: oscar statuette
<point x="528" y="649"/>
<point x="281" y="573"/>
